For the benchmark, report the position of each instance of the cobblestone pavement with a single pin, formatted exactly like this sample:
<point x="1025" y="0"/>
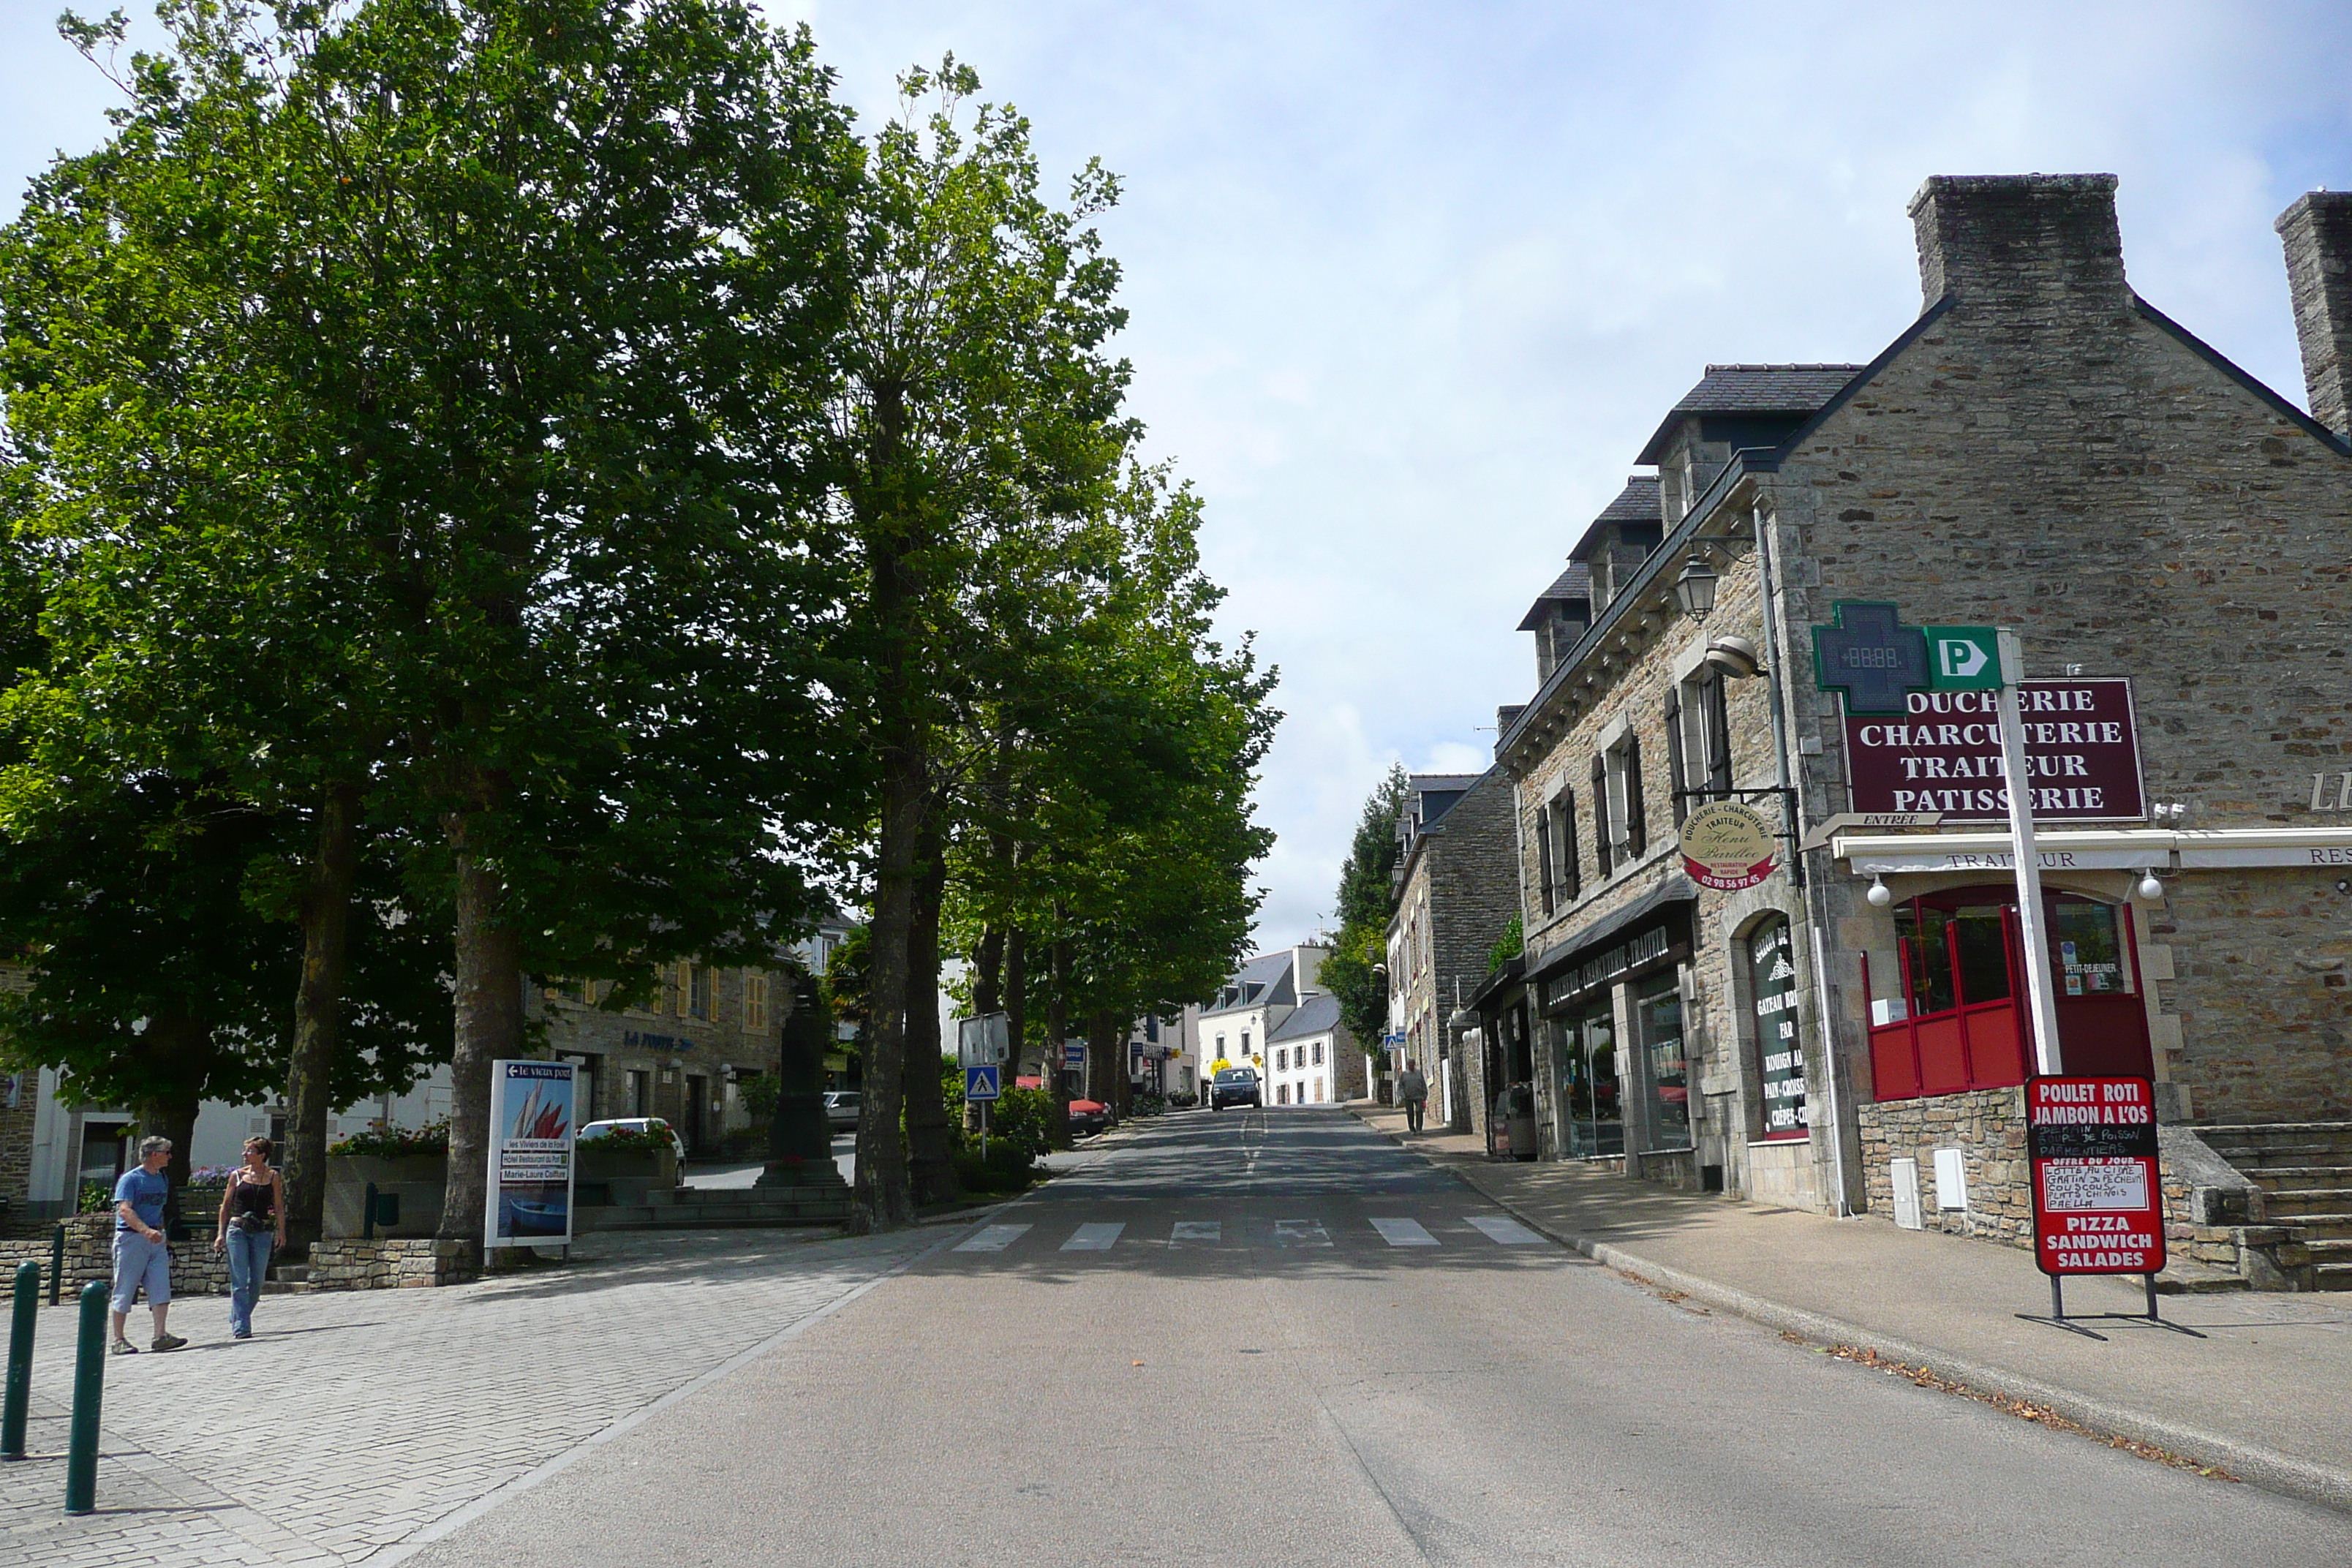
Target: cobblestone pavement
<point x="353" y="1421"/>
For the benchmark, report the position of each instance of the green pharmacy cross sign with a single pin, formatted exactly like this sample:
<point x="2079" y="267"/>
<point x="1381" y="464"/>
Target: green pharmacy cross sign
<point x="1868" y="654"/>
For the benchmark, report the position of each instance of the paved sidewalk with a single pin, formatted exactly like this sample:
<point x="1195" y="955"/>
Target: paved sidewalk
<point x="2267" y="1396"/>
<point x="355" y="1423"/>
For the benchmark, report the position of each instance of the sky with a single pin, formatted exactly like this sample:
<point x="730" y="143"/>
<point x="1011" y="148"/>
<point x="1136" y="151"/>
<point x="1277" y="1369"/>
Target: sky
<point x="1411" y="285"/>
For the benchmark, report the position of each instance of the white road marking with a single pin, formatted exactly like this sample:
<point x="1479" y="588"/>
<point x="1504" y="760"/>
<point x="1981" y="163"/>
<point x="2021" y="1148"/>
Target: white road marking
<point x="1196" y="1232"/>
<point x="993" y="1238"/>
<point x="1403" y="1233"/>
<point x="1503" y="1231"/>
<point x="1094" y="1238"/>
<point x="1300" y="1233"/>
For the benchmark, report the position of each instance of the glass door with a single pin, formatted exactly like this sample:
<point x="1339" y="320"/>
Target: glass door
<point x="1592" y="1119"/>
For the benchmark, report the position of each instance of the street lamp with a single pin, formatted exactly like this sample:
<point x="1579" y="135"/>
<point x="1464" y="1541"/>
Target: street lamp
<point x="1695" y="589"/>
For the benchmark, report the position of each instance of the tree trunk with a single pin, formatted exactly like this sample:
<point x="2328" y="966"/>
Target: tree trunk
<point x="930" y="1152"/>
<point x="988" y="973"/>
<point x="318" y="1012"/>
<point x="880" y="1200"/>
<point x="1106" y="1060"/>
<point x="1057" y="1032"/>
<point x="1016" y="994"/>
<point x="488" y="1025"/>
<point x="173" y="1114"/>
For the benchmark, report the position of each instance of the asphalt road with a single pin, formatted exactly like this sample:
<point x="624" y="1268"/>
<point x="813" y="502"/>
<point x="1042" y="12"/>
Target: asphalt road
<point x="1271" y="1337"/>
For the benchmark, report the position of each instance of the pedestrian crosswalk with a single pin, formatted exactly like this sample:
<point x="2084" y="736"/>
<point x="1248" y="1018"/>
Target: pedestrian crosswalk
<point x="1393" y="1230"/>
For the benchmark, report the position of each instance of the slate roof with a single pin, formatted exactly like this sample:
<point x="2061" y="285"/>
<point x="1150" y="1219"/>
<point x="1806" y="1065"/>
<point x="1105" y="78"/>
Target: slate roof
<point x="1576" y="583"/>
<point x="1316" y="1015"/>
<point x="1271" y="971"/>
<point x="1755" y="390"/>
<point x="1637" y="503"/>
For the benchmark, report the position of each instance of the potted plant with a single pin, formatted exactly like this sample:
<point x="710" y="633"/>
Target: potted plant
<point x="627" y="1160"/>
<point x="411" y="1164"/>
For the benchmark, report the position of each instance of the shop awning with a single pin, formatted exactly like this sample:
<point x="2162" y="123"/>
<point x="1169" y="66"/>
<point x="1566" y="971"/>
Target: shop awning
<point x="1581" y="943"/>
<point x="2097" y="850"/>
<point x="1514" y="969"/>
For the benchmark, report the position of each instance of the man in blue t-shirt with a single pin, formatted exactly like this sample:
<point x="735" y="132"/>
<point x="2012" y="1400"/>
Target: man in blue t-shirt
<point x="142" y="1256"/>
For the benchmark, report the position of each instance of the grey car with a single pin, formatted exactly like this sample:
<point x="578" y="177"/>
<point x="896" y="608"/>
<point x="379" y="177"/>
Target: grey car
<point x="841" y="1109"/>
<point x="1234" y="1085"/>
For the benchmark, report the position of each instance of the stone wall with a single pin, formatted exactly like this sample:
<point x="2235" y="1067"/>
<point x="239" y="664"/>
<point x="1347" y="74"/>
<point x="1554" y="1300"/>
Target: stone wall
<point x="347" y="1263"/>
<point x="196" y="1269"/>
<point x="2211" y="1212"/>
<point x="1464" y="880"/>
<point x="1987" y="1127"/>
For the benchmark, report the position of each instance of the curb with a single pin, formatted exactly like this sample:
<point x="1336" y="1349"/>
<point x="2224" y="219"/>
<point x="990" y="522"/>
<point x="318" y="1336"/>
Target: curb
<point x="2250" y="1462"/>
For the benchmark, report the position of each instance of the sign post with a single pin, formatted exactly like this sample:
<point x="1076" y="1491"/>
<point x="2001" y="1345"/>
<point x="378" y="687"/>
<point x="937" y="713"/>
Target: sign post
<point x="2098" y="1194"/>
<point x="983" y="1087"/>
<point x="2031" y="921"/>
<point x="531" y="1131"/>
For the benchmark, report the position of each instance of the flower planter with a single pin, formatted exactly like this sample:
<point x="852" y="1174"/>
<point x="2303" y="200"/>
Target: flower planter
<point x="622" y="1177"/>
<point x="418" y="1180"/>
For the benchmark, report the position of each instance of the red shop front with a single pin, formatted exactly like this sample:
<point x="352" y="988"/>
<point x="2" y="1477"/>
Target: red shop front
<point x="1958" y="1019"/>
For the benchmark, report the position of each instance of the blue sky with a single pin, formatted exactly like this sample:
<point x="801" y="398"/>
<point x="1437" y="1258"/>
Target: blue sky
<point x="1412" y="284"/>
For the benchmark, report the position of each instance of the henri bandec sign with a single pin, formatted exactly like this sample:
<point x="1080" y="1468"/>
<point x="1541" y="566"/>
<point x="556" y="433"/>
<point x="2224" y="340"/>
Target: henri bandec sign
<point x="2082" y="748"/>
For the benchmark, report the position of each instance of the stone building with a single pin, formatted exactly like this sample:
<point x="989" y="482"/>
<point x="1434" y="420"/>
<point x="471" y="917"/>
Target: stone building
<point x="2042" y="450"/>
<point x="682" y="1058"/>
<point x="1455" y="900"/>
<point x="1236" y="1027"/>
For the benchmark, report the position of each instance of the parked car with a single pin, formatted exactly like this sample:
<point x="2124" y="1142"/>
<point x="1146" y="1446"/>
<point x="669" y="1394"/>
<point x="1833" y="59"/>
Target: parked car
<point x="1090" y="1116"/>
<point x="635" y="1124"/>
<point x="1234" y="1086"/>
<point x="841" y="1109"/>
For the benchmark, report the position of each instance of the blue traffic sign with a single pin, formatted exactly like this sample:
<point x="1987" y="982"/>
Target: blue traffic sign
<point x="981" y="1082"/>
<point x="1074" y="1056"/>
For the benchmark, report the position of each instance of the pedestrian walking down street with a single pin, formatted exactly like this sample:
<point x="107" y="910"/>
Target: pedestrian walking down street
<point x="252" y="1221"/>
<point x="1413" y="1089"/>
<point x="142" y="1256"/>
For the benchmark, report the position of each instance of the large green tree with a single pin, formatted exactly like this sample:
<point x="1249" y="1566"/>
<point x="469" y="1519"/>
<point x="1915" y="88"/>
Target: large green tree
<point x="973" y="396"/>
<point x="466" y="336"/>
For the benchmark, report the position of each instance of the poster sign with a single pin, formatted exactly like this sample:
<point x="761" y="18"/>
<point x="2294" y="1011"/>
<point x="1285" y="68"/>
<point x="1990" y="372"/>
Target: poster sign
<point x="1726" y="846"/>
<point x="1772" y="981"/>
<point x="2082" y="748"/>
<point x="2098" y="1204"/>
<point x="531" y="1131"/>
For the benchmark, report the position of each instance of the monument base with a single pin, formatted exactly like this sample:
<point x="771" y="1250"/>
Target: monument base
<point x="812" y="1173"/>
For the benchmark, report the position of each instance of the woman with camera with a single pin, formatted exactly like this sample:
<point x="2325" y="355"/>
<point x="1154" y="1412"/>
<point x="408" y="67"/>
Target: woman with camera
<point x="252" y="1220"/>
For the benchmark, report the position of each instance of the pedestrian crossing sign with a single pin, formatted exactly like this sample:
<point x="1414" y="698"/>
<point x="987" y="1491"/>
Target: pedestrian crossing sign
<point x="980" y="1083"/>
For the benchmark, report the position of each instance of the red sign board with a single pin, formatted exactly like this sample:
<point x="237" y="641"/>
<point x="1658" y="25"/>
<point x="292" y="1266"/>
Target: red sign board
<point x="2098" y="1204"/>
<point x="2082" y="746"/>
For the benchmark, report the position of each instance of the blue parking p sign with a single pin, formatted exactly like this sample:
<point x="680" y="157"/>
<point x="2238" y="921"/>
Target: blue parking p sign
<point x="981" y="1082"/>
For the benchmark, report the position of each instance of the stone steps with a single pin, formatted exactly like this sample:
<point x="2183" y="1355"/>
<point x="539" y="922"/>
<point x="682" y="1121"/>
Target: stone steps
<point x="2288" y="1206"/>
<point x="288" y="1279"/>
<point x="704" y="1208"/>
<point x="2305" y="1170"/>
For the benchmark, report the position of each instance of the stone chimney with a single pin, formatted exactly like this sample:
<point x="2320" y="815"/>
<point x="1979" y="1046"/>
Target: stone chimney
<point x="2319" y="234"/>
<point x="2031" y="241"/>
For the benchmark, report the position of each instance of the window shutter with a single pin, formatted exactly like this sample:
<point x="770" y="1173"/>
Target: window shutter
<point x="1601" y="845"/>
<point x="1570" y="875"/>
<point x="1636" y="837"/>
<point x="1719" y="734"/>
<point x="1543" y="858"/>
<point x="1678" y="775"/>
